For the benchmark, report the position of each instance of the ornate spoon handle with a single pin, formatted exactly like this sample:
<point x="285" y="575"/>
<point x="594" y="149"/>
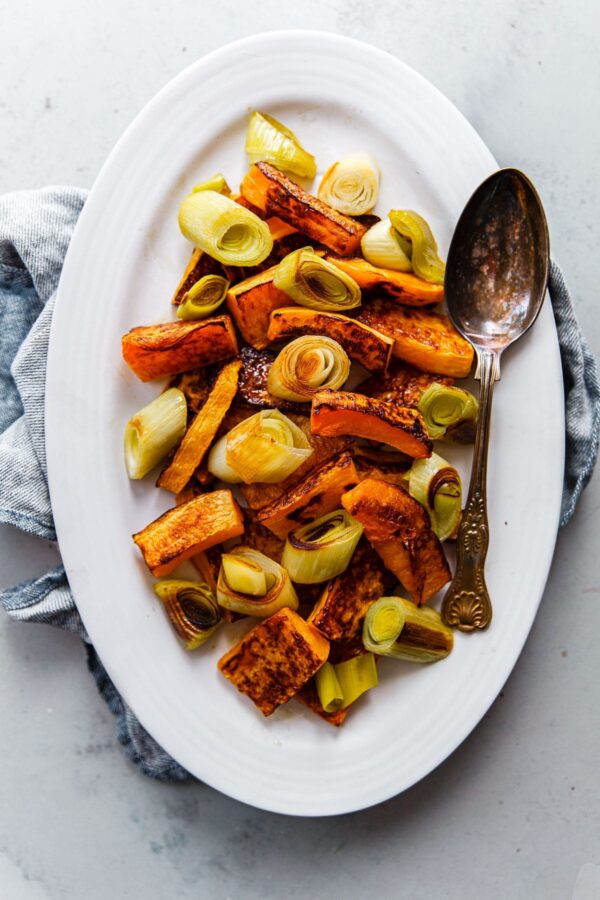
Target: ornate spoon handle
<point x="467" y="603"/>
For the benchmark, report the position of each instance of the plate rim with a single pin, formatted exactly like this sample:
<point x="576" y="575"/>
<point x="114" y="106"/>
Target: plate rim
<point x="52" y="435"/>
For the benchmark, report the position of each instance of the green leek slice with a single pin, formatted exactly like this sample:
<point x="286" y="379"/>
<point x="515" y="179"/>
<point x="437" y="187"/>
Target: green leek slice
<point x="215" y="183"/>
<point x="321" y="549"/>
<point x="306" y="365"/>
<point x="450" y="413"/>
<point x="426" y="262"/>
<point x="382" y="626"/>
<point x="423" y="638"/>
<point x="383" y="246"/>
<point x="267" y="447"/>
<point x="351" y="185"/>
<point x="437" y="486"/>
<point x="153" y="432"/>
<point x="328" y="687"/>
<point x="228" y="232"/>
<point x="234" y="581"/>
<point x="203" y="298"/>
<point x="269" y="140"/>
<point x="315" y="282"/>
<point x="356" y="676"/>
<point x="192" y="609"/>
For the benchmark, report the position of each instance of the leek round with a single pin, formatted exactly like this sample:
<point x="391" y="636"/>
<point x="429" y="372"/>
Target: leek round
<point x="351" y="185"/>
<point x="321" y="549"/>
<point x="383" y="625"/>
<point x="450" y="413"/>
<point x="356" y="676"/>
<point x="424" y="638"/>
<point x="203" y="298"/>
<point x="251" y="569"/>
<point x="383" y="246"/>
<point x="328" y="687"/>
<point x="192" y="609"/>
<point x="437" y="486"/>
<point x="215" y="183"/>
<point x="269" y="140"/>
<point x="426" y="262"/>
<point x="153" y="432"/>
<point x="315" y="282"/>
<point x="228" y="232"/>
<point x="308" y="364"/>
<point x="267" y="447"/>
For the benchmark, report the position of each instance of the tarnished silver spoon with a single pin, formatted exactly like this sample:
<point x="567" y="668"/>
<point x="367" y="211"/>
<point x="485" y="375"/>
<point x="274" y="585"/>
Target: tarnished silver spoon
<point x="496" y="278"/>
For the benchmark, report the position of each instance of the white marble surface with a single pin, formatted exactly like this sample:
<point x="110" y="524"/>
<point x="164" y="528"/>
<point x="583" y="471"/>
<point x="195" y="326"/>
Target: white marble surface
<point x="514" y="813"/>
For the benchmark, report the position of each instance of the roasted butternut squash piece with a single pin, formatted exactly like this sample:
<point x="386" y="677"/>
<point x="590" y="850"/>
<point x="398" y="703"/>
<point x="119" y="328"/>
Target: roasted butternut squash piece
<point x="401" y="384"/>
<point x="404" y="287"/>
<point x="199" y="436"/>
<point x="195" y="386"/>
<point x="258" y="495"/>
<point x="251" y="303"/>
<point x="156" y="351"/>
<point x="200" y="264"/>
<point x="398" y="528"/>
<point x="386" y="466"/>
<point x="368" y="347"/>
<point x="260" y="538"/>
<point x="273" y="661"/>
<point x="272" y="191"/>
<point x="342" y="412"/>
<point x="427" y="340"/>
<point x="309" y="697"/>
<point x="317" y="494"/>
<point x="182" y="532"/>
<point x="341" y="609"/>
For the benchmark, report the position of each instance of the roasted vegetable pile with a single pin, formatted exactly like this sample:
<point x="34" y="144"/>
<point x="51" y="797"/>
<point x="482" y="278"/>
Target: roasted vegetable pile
<point x="308" y="370"/>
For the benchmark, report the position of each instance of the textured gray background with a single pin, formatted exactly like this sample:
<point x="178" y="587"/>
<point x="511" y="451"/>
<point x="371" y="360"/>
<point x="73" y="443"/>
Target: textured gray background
<point x="514" y="813"/>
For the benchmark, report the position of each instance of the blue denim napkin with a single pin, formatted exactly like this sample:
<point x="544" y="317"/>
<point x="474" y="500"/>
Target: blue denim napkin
<point x="35" y="230"/>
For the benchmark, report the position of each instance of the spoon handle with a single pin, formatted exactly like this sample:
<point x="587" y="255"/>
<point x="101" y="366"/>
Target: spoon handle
<point x="467" y="603"/>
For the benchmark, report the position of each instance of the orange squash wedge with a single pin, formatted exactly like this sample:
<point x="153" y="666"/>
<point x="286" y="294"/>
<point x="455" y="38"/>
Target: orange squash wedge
<point x="404" y="287"/>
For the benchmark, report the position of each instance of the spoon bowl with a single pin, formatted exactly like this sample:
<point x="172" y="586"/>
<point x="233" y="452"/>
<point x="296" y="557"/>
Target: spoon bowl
<point x="495" y="283"/>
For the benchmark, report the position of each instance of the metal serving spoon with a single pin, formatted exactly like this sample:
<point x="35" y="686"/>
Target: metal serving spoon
<point x="496" y="278"/>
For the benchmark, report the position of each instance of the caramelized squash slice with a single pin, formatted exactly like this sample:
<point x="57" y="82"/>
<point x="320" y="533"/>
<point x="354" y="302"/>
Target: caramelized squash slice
<point x="156" y="351"/>
<point x="275" y="659"/>
<point x="277" y="195"/>
<point x="368" y="347"/>
<point x="342" y="412"/>
<point x="342" y="607"/>
<point x="317" y="494"/>
<point x="251" y="303"/>
<point x="401" y="384"/>
<point x="200" y="434"/>
<point x="427" y="340"/>
<point x="184" y="531"/>
<point x="404" y="287"/>
<point x="398" y="528"/>
<point x="253" y="383"/>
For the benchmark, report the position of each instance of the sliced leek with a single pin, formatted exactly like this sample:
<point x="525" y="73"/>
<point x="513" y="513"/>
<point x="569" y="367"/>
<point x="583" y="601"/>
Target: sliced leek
<point x="215" y="183"/>
<point x="450" y="413"/>
<point x="321" y="549"/>
<point x="228" y="232"/>
<point x="351" y="185"/>
<point x="424" y="638"/>
<point x="217" y="463"/>
<point x="251" y="584"/>
<point x="437" y="486"/>
<point x="426" y="262"/>
<point x="356" y="676"/>
<point x="153" y="432"/>
<point x="328" y="687"/>
<point x="203" y="298"/>
<point x="269" y="140"/>
<point x="382" y="626"/>
<point x="383" y="246"/>
<point x="315" y="282"/>
<point x="267" y="447"/>
<point x="192" y="609"/>
<point x="308" y="364"/>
